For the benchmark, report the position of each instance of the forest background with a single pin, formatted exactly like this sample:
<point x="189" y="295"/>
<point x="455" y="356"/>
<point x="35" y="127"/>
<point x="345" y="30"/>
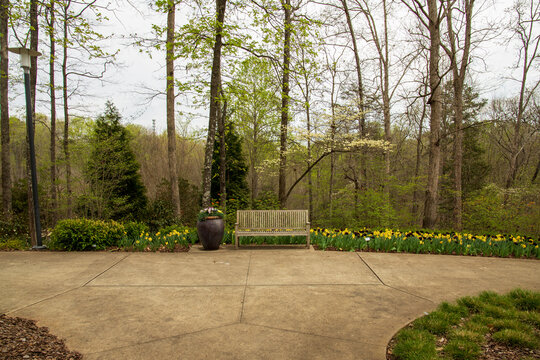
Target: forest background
<point x="367" y="113"/>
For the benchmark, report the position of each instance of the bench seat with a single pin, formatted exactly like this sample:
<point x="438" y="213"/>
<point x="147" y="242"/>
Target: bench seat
<point x="272" y="223"/>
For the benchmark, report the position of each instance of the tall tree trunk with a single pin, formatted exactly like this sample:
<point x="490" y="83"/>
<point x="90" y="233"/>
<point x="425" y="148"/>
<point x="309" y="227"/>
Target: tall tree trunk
<point x="67" y="159"/>
<point x="214" y="104"/>
<point x="4" y="70"/>
<point x="459" y="72"/>
<point x="285" y="88"/>
<point x="222" y="157"/>
<point x="432" y="189"/>
<point x="332" y="139"/>
<point x="34" y="33"/>
<point x="386" y="97"/>
<point x="171" y="131"/>
<point x="54" y="200"/>
<point x="360" y="92"/>
<point x="310" y="177"/>
<point x="416" y="193"/>
<point x="254" y="159"/>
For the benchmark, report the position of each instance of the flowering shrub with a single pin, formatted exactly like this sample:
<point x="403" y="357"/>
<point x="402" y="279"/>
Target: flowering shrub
<point x="173" y="240"/>
<point x="211" y="211"/>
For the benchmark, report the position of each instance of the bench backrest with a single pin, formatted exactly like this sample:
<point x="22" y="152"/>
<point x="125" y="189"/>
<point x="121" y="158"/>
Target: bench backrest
<point x="272" y="219"/>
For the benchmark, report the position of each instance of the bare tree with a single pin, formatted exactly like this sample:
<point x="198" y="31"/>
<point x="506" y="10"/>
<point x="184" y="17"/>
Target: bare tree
<point x="459" y="70"/>
<point x="431" y="19"/>
<point x="4" y="69"/>
<point x="526" y="17"/>
<point x="171" y="131"/>
<point x="51" y="17"/>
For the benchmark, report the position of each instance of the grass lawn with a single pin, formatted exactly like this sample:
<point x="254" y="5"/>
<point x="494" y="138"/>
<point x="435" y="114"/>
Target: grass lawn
<point x="489" y="326"/>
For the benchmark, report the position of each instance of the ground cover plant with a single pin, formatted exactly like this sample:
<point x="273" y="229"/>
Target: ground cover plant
<point x="489" y="326"/>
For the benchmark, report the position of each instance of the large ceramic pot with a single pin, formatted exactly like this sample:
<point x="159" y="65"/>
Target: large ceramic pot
<point x="211" y="232"/>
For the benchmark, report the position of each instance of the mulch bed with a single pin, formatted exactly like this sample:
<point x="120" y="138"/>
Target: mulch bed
<point x="23" y="339"/>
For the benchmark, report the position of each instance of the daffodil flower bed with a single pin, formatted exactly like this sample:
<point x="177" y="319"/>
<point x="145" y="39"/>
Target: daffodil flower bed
<point x="425" y="242"/>
<point x="173" y="241"/>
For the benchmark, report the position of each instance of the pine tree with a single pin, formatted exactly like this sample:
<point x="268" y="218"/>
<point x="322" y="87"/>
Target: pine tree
<point x="113" y="172"/>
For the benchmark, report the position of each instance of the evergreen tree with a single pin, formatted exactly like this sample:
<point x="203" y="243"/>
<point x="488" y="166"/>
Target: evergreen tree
<point x="236" y="171"/>
<point x="113" y="172"/>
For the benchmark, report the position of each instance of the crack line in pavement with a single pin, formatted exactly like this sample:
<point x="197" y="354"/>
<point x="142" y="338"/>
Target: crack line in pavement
<point x="391" y="287"/>
<point x="311" y="334"/>
<point x="104" y="271"/>
<point x="160" y="339"/>
<point x="245" y="288"/>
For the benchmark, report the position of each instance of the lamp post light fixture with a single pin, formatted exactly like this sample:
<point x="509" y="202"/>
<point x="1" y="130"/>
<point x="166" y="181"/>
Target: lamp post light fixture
<point x="26" y="55"/>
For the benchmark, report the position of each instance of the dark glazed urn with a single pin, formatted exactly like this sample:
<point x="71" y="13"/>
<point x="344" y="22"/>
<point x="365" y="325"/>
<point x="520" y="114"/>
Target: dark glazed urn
<point x="211" y="233"/>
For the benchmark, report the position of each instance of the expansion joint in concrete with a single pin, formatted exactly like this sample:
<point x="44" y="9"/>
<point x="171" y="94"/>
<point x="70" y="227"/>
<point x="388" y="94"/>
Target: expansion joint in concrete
<point x="160" y="339"/>
<point x="391" y="287"/>
<point x="312" y="334"/>
<point x="369" y="267"/>
<point x="245" y="288"/>
<point x="40" y="301"/>
<point x="104" y="271"/>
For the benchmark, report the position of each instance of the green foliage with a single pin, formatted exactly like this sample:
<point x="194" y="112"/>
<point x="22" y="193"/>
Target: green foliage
<point x="113" y="172"/>
<point x="493" y="209"/>
<point x="438" y="322"/>
<point x="85" y="234"/>
<point x="525" y="300"/>
<point x="415" y="344"/>
<point x="171" y="241"/>
<point x="462" y="349"/>
<point x="14" y="243"/>
<point x="236" y="169"/>
<point x="267" y="200"/>
<point x="133" y="229"/>
<point x="516" y="338"/>
<point x="469" y="323"/>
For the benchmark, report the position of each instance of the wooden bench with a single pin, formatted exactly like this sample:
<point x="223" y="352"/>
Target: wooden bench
<point x="271" y="223"/>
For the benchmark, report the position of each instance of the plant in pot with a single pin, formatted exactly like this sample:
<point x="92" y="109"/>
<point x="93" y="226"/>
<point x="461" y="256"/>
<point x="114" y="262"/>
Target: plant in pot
<point x="210" y="228"/>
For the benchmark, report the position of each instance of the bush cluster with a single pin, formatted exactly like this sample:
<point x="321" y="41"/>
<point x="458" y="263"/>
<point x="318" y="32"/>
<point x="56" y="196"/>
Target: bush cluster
<point x="86" y="234"/>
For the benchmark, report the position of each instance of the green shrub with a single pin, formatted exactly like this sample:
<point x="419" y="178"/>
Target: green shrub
<point x="134" y="229"/>
<point x="461" y="349"/>
<point x="14" y="243"/>
<point x="85" y="234"/>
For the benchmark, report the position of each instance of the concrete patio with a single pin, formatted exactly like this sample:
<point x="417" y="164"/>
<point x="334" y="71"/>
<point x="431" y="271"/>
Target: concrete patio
<point x="253" y="303"/>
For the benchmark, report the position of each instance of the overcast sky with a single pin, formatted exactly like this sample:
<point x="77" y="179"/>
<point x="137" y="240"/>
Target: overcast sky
<point x="137" y="70"/>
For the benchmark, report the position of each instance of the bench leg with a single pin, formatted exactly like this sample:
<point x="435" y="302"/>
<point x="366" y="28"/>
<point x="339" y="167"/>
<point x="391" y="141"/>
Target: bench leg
<point x="308" y="240"/>
<point x="235" y="241"/>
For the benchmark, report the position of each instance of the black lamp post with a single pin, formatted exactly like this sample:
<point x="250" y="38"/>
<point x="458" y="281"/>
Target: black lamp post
<point x="26" y="54"/>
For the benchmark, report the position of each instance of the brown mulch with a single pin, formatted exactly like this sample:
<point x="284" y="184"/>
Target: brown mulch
<point x="23" y="339"/>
